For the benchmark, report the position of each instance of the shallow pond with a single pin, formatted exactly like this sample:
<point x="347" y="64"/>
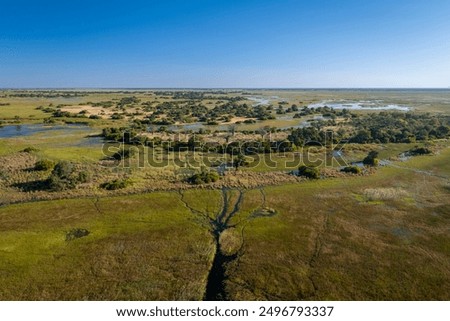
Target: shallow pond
<point x="25" y="130"/>
<point x="259" y="100"/>
<point x="360" y="105"/>
<point x="11" y="131"/>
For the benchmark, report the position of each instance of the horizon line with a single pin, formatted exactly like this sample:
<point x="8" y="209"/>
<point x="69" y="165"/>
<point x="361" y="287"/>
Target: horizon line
<point x="224" y="88"/>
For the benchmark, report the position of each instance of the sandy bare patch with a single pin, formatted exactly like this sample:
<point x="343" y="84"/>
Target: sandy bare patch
<point x="90" y="110"/>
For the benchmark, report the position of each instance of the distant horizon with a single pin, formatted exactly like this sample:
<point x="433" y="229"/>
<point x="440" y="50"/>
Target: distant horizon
<point x="225" y="88"/>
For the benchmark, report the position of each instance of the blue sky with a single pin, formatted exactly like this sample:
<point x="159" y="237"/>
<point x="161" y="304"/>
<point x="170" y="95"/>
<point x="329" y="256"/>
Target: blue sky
<point x="206" y="43"/>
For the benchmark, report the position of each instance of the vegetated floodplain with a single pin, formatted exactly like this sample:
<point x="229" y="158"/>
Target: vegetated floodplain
<point x="224" y="195"/>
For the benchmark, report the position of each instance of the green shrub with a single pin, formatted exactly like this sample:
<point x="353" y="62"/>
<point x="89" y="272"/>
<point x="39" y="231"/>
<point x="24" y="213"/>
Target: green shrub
<point x="420" y="151"/>
<point x="309" y="172"/>
<point x="124" y="153"/>
<point x="76" y="233"/>
<point x="43" y="165"/>
<point x="204" y="178"/>
<point x="83" y="177"/>
<point x="60" y="113"/>
<point x="61" y="177"/>
<point x="30" y="150"/>
<point x="63" y="169"/>
<point x="371" y="159"/>
<point x="240" y="160"/>
<point x="58" y="184"/>
<point x="117" y="116"/>
<point x="115" y="184"/>
<point x="49" y="121"/>
<point x="351" y="169"/>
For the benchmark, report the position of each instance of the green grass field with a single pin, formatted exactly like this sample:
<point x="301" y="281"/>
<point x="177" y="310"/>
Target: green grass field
<point x="381" y="237"/>
<point x="144" y="247"/>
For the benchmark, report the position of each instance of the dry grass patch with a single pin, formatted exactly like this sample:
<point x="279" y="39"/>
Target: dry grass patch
<point x="230" y="241"/>
<point x="385" y="193"/>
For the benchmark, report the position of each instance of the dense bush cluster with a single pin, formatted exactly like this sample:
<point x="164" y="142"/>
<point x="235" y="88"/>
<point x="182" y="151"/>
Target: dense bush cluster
<point x="371" y="159"/>
<point x="204" y="178"/>
<point x="419" y="151"/>
<point x="309" y="172"/>
<point x="195" y="142"/>
<point x="128" y="101"/>
<point x="239" y="161"/>
<point x="383" y="127"/>
<point x="168" y="113"/>
<point x="396" y="127"/>
<point x="64" y="176"/>
<point x="43" y="165"/>
<point x="351" y="169"/>
<point x="312" y="135"/>
<point x="126" y="135"/>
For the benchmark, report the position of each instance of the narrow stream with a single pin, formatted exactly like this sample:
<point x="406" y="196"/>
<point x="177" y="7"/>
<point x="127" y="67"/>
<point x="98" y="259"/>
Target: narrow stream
<point x="215" y="287"/>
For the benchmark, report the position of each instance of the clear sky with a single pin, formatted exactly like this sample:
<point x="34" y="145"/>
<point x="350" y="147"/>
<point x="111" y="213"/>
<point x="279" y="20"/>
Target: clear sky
<point x="206" y="43"/>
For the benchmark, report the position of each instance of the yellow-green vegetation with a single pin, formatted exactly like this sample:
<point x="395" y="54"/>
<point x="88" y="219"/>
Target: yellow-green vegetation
<point x="162" y="217"/>
<point x="310" y="240"/>
<point x="324" y="244"/>
<point x="145" y="247"/>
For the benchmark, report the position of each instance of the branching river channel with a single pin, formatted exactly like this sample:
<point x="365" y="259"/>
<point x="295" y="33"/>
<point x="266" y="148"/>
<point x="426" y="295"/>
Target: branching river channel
<point x="215" y="286"/>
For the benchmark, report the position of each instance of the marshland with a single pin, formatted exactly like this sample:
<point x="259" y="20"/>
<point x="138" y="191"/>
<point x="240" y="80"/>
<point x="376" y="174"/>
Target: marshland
<point x="224" y="194"/>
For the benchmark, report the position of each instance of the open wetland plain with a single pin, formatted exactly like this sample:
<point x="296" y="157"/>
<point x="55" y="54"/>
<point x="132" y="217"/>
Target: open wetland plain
<point x="225" y="194"/>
